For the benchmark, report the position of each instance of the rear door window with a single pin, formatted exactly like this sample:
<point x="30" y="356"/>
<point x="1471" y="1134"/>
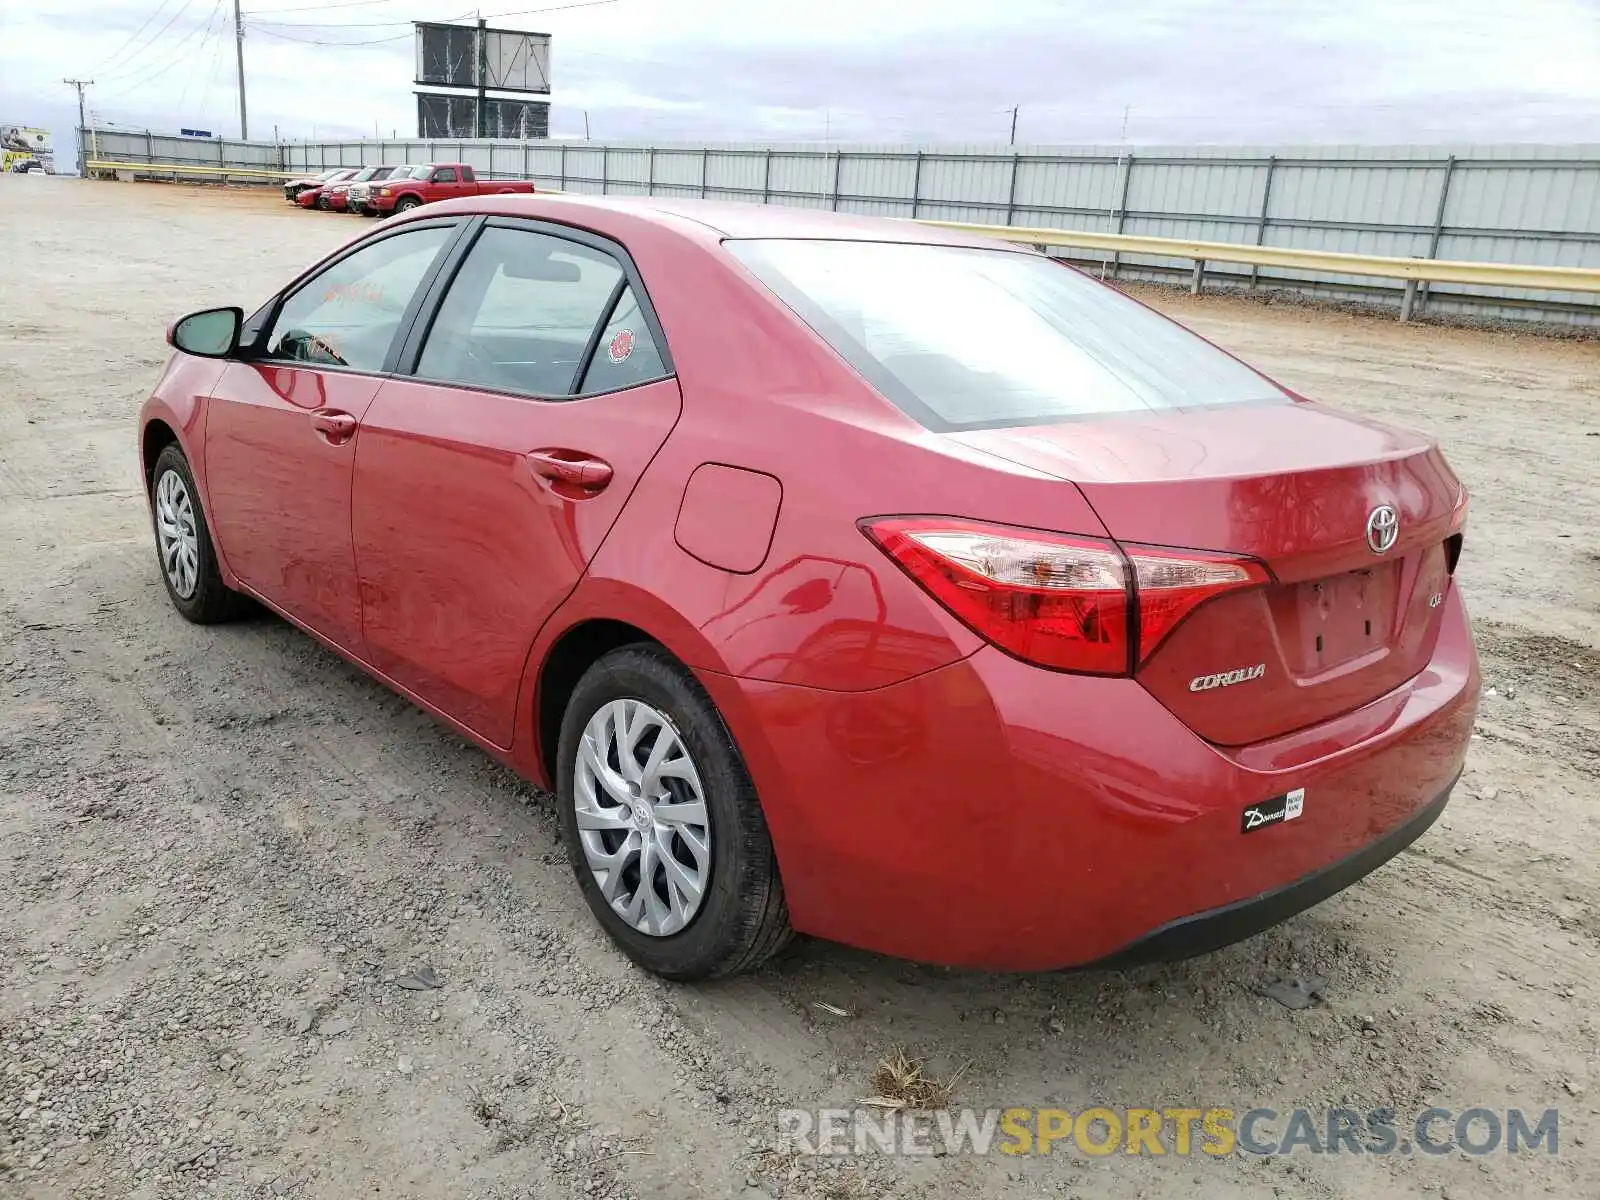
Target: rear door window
<point x="520" y="313"/>
<point x="963" y="338"/>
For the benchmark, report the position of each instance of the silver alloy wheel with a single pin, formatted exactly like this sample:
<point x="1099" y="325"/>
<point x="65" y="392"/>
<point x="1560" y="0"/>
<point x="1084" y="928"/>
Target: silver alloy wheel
<point x="176" y="535"/>
<point x="642" y="817"/>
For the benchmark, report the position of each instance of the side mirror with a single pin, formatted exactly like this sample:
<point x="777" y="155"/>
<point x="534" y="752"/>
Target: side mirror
<point x="210" y="333"/>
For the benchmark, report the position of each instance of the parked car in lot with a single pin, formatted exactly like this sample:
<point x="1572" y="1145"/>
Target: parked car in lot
<point x="335" y="197"/>
<point x="293" y="188"/>
<point x="308" y="197"/>
<point x="359" y="197"/>
<point x="842" y="575"/>
<point x="438" y="181"/>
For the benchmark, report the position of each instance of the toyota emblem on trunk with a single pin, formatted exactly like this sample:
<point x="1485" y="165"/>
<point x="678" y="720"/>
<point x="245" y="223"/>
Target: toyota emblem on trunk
<point x="1383" y="526"/>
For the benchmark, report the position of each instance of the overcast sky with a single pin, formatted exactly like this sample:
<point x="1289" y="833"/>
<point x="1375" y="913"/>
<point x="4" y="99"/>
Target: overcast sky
<point x="1177" y="71"/>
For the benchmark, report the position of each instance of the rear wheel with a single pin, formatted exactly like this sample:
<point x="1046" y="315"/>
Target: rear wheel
<point x="183" y="544"/>
<point x="662" y="823"/>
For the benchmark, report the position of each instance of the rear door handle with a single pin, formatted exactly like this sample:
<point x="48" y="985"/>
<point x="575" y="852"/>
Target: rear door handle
<point x="335" y="426"/>
<point x="569" y="467"/>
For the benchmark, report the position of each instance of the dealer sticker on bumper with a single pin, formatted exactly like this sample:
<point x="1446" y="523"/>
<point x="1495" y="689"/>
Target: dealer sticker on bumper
<point x="1270" y="812"/>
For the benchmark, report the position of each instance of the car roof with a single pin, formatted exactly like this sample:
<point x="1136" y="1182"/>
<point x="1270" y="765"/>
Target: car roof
<point x="725" y="219"/>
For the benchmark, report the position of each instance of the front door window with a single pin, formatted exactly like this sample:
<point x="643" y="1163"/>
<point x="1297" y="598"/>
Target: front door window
<point x="348" y="315"/>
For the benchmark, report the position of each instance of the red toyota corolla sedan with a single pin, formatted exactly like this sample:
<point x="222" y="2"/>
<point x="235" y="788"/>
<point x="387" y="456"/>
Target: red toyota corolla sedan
<point x="839" y="575"/>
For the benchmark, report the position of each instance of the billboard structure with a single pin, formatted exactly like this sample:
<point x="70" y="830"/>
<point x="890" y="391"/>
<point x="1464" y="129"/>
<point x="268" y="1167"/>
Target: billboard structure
<point x="25" y="144"/>
<point x="443" y="116"/>
<point x="478" y="59"/>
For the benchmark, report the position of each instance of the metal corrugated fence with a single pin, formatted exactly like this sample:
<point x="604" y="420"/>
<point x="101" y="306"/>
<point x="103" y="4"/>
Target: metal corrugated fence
<point x="1517" y="203"/>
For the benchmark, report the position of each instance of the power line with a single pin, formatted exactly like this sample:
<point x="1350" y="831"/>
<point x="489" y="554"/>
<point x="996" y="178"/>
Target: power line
<point x="287" y="37"/>
<point x="529" y="12"/>
<point x="128" y="63"/>
<point x="257" y="12"/>
<point x="211" y="75"/>
<point x="194" y="65"/>
<point x="521" y="12"/>
<point x="273" y="29"/>
<point x="159" y="68"/>
<point x="143" y="25"/>
<point x="255" y="24"/>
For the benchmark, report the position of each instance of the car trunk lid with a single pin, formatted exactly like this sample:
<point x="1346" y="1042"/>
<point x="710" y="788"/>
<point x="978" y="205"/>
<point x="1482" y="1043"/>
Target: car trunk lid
<point x="1295" y="486"/>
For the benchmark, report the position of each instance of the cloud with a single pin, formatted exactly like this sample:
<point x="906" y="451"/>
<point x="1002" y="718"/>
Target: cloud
<point x="1178" y="71"/>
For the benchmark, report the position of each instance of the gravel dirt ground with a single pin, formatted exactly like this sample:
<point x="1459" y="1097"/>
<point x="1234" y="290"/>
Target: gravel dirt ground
<point x="224" y="853"/>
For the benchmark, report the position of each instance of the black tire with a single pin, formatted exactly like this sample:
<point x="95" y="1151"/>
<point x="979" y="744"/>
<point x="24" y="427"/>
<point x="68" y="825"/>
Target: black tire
<point x="743" y="919"/>
<point x="406" y="204"/>
<point x="212" y="600"/>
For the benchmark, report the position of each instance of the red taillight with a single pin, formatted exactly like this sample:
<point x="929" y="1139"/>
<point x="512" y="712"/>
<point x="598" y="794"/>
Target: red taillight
<point x="1171" y="584"/>
<point x="1058" y="600"/>
<point x="1051" y="599"/>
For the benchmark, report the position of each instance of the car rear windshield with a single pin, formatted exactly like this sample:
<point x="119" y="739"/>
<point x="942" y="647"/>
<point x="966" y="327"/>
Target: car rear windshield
<point x="965" y="338"/>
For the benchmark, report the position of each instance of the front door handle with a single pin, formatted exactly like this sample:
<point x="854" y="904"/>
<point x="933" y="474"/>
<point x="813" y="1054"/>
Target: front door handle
<point x="570" y="467"/>
<point x="336" y="427"/>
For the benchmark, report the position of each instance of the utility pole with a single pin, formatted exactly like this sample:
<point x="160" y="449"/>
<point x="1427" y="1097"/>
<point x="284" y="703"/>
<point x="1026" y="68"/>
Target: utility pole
<point x="1014" y="125"/>
<point x="238" y="45"/>
<point x="481" y="124"/>
<point x="83" y="150"/>
<point x="586" y="124"/>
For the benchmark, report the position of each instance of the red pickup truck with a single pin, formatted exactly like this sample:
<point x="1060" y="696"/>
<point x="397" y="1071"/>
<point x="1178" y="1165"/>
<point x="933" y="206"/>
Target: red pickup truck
<point x="436" y="181"/>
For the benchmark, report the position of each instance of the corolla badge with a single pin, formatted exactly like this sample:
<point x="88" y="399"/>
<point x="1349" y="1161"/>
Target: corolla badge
<point x="1383" y="526"/>
<point x="1204" y="683"/>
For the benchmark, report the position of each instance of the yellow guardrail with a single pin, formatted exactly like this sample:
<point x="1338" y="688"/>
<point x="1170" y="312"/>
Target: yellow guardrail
<point x="1413" y="270"/>
<point x="153" y="168"/>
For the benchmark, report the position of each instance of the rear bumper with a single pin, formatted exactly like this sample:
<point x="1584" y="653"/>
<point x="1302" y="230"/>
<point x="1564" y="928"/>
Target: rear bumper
<point x="991" y="814"/>
<point x="1208" y="931"/>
